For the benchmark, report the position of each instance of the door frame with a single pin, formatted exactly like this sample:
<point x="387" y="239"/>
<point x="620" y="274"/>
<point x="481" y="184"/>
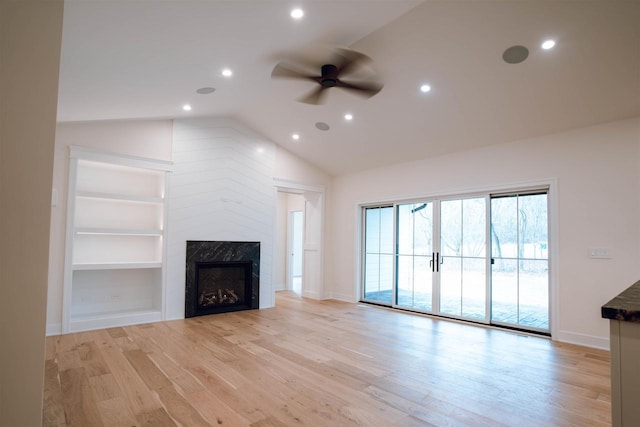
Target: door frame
<point x="313" y="234"/>
<point x="551" y="184"/>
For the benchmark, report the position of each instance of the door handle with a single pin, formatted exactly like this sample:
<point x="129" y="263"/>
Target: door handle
<point x="431" y="263"/>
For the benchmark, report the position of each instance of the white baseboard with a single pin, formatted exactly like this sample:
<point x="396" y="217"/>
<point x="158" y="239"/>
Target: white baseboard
<point x="54" y="329"/>
<point x="582" y="339"/>
<point x="342" y="297"/>
<point x="311" y="294"/>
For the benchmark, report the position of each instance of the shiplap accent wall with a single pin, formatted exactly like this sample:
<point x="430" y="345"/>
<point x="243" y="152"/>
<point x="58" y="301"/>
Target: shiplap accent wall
<point x="221" y="188"/>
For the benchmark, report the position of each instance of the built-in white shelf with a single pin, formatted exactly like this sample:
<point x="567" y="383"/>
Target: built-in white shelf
<point x="114" y="259"/>
<point x="120" y="197"/>
<point x="118" y="232"/>
<point x="116" y="265"/>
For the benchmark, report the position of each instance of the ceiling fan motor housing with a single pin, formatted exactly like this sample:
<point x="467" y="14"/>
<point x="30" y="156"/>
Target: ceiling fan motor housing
<point x="329" y="75"/>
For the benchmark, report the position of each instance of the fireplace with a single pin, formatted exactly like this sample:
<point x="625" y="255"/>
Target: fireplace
<point x="221" y="277"/>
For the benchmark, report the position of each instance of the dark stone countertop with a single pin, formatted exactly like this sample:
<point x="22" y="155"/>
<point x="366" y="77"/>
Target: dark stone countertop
<point x="626" y="306"/>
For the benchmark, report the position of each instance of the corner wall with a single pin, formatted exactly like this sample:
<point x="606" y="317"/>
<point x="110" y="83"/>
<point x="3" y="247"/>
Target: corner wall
<point x="30" y="38"/>
<point x="597" y="170"/>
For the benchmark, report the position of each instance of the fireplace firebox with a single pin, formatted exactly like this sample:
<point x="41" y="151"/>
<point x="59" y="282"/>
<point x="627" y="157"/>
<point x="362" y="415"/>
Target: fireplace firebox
<point x="221" y="277"/>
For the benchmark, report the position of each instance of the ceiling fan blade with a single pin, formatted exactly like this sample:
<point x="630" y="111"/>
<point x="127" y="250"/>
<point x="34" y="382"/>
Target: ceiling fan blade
<point x="286" y="71"/>
<point x="315" y="97"/>
<point x="366" y="89"/>
<point x="350" y="60"/>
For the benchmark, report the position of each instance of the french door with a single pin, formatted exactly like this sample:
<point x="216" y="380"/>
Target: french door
<point x="477" y="258"/>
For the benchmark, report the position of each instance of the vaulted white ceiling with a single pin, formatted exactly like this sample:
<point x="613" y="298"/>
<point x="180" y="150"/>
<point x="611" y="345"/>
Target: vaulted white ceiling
<point x="145" y="59"/>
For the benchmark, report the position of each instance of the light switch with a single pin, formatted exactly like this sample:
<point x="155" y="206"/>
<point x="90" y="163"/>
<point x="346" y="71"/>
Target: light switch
<point x="602" y="252"/>
<point x="54" y="197"/>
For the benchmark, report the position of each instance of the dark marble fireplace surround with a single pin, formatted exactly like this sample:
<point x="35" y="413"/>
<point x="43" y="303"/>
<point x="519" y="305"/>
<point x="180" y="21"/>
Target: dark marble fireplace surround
<point x="229" y="276"/>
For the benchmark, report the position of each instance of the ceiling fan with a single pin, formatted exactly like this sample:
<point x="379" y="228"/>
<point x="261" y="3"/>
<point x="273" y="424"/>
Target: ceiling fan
<point x="333" y="73"/>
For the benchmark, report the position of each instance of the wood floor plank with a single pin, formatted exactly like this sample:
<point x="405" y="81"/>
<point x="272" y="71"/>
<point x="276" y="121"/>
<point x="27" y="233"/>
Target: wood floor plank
<point x="80" y="406"/>
<point x="321" y="363"/>
<point x="53" y="408"/>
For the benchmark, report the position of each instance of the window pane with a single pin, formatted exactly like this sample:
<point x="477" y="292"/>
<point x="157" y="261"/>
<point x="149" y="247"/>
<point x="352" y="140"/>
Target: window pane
<point x="534" y="293"/>
<point x="386" y="230"/>
<point x="504" y="227"/>
<point x="504" y="291"/>
<point x="474" y="227"/>
<point x="378" y="260"/>
<point x="474" y="288"/>
<point x="405" y="230"/>
<point x="422" y="283"/>
<point x="451" y="286"/>
<point x="451" y="227"/>
<point x="372" y="230"/>
<point x="405" y="280"/>
<point x="533" y="226"/>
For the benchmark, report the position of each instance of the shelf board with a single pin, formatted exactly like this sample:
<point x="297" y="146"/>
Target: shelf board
<point x="119" y="197"/>
<point x="117" y="231"/>
<point x="116" y="265"/>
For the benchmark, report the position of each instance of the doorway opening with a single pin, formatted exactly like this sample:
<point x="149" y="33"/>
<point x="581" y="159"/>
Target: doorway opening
<point x="298" y="261"/>
<point x="295" y="238"/>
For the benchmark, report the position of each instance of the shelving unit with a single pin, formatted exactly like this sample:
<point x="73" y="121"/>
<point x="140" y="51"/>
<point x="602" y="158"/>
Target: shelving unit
<point x="114" y="259"/>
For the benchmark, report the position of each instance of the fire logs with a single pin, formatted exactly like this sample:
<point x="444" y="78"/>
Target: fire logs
<point x="221" y="296"/>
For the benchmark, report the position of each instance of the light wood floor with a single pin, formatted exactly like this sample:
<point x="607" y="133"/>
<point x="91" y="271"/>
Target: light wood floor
<point x="321" y="364"/>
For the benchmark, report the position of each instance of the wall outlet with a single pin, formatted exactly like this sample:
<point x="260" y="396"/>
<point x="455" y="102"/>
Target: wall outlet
<point x="602" y="252"/>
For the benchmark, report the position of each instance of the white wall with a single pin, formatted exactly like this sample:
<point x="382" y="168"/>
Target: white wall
<point x="143" y="138"/>
<point x="221" y="189"/>
<point x="30" y="37"/>
<point x="597" y="171"/>
<point x="280" y="257"/>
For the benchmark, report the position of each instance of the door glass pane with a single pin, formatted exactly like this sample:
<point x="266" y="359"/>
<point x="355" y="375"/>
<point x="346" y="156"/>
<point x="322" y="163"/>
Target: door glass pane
<point x="520" y="274"/>
<point x="415" y="241"/>
<point x="463" y="262"/>
<point x="504" y="287"/>
<point x="534" y="293"/>
<point x="474" y="284"/>
<point x="451" y="228"/>
<point x="533" y="226"/>
<point x="378" y="259"/>
<point x="451" y="286"/>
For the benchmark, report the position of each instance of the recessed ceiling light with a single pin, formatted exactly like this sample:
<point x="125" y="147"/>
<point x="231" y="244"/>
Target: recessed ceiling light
<point x="205" y="90"/>
<point x="348" y="117"/>
<point x="297" y="13"/>
<point x="186" y="107"/>
<point x="548" y="44"/>
<point x="425" y="88"/>
<point x="322" y="126"/>
<point x="227" y="72"/>
<point x="295" y="136"/>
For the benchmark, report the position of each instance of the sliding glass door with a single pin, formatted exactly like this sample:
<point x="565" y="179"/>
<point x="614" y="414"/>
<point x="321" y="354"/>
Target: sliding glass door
<point x="481" y="258"/>
<point x="463" y="258"/>
<point x="520" y="270"/>
<point x="414" y="272"/>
